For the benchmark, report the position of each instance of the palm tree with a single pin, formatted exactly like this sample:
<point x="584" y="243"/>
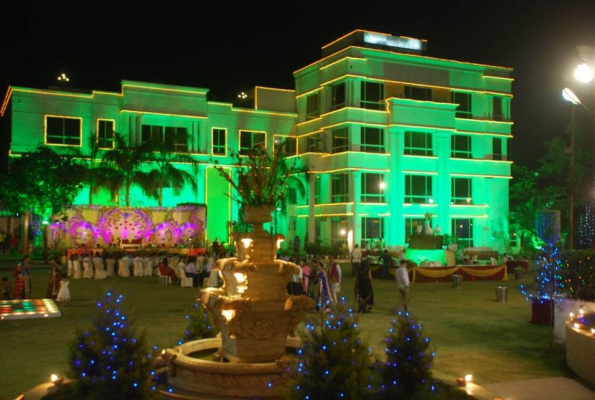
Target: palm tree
<point x="164" y="154"/>
<point x="122" y="168"/>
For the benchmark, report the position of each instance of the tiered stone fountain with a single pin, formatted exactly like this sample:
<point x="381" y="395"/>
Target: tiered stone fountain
<point x="257" y="320"/>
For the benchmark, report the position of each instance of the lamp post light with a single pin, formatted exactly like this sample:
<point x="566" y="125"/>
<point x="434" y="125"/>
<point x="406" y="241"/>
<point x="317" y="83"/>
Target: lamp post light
<point x="569" y="96"/>
<point x="584" y="73"/>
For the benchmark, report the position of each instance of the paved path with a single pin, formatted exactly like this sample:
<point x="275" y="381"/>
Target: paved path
<point x="542" y="389"/>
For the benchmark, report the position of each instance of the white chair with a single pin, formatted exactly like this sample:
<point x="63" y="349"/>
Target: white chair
<point x="123" y="268"/>
<point x="183" y="279"/>
<point x="70" y="267"/>
<point x="109" y="266"/>
<point x="77" y="270"/>
<point x="493" y="261"/>
<point x="88" y="272"/>
<point x="100" y="272"/>
<point x="138" y="267"/>
<point x="147" y="267"/>
<point x="163" y="279"/>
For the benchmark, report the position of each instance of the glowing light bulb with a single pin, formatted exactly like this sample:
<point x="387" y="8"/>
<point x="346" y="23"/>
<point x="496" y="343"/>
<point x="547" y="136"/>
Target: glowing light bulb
<point x="468" y="378"/>
<point x="240" y="277"/>
<point x="577" y="326"/>
<point x="584" y="73"/>
<point x="53" y="377"/>
<point x="571" y="315"/>
<point x="581" y="311"/>
<point x="228" y="314"/>
<point x="246" y="242"/>
<point x="382" y="185"/>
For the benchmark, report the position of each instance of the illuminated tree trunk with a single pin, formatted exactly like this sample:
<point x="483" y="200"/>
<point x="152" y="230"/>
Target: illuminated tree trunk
<point x="26" y="233"/>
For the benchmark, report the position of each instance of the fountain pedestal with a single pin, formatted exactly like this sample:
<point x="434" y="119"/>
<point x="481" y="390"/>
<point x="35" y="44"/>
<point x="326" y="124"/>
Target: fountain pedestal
<point x="257" y="319"/>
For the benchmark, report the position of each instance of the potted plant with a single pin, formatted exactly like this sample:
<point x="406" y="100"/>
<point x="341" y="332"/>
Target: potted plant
<point x="261" y="181"/>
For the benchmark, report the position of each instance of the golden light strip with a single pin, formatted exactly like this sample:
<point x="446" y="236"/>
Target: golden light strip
<point x="321" y="60"/>
<point x="213" y="142"/>
<point x="455" y="216"/>
<point x="309" y="121"/>
<point x="6" y="100"/>
<point x="497" y="77"/>
<point x="356" y="123"/>
<point x="311" y="133"/>
<point x="276" y="89"/>
<point x="261" y="112"/>
<point x="312" y="153"/>
<point x="357" y="152"/>
<point x="329" y="205"/>
<point x="423" y="101"/>
<point x="470" y="205"/>
<point x="420" y="172"/>
<point x="489" y="121"/>
<point x="483" y="176"/>
<point x="167" y="114"/>
<point x="368" y="78"/>
<point x="45" y="130"/>
<point x="309" y="92"/>
<point x="335" y="215"/>
<point x="348" y="169"/>
<point x="481" y="160"/>
<point x="422" y="127"/>
<point x="364" y="110"/>
<point x="342" y="59"/>
<point x="483" y="133"/>
<point x="165" y="89"/>
<point x="415" y="156"/>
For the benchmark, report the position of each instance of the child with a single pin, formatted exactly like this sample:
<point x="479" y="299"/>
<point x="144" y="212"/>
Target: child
<point x="64" y="293"/>
<point x="6" y="289"/>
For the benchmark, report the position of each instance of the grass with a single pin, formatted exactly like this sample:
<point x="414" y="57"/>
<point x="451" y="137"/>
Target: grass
<point x="472" y="333"/>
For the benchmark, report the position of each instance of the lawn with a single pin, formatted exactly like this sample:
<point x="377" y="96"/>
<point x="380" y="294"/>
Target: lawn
<point x="471" y="331"/>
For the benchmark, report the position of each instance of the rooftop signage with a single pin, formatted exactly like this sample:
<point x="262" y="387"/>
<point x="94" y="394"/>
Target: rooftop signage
<point x="392" y="41"/>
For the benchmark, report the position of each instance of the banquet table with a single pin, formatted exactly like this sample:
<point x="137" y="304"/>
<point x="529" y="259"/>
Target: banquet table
<point x="469" y="273"/>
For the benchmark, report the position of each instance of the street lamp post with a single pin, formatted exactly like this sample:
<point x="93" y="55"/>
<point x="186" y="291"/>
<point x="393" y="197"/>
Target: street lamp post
<point x="569" y="96"/>
<point x="585" y="74"/>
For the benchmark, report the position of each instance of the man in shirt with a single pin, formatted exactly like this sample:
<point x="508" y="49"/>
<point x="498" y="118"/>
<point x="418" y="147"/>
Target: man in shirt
<point x="190" y="271"/>
<point x="402" y="278"/>
<point x="356" y="259"/>
<point x="335" y="275"/>
<point x="387" y="263"/>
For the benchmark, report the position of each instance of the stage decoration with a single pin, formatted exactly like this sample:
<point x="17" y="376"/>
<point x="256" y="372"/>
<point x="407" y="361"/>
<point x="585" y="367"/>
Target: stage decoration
<point x="128" y="227"/>
<point x="23" y="309"/>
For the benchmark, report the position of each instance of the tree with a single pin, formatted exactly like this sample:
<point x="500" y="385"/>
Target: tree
<point x="110" y="360"/>
<point x="164" y="154"/>
<point x="333" y="362"/>
<point x="122" y="167"/>
<point x="200" y="324"/>
<point x="407" y="371"/>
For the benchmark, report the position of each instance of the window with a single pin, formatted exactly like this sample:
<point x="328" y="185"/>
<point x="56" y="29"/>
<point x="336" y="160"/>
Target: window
<point x="313" y="106"/>
<point x="249" y="140"/>
<point x="464" y="102"/>
<point x="497" y="149"/>
<point x="219" y="146"/>
<point x="373" y="187"/>
<point x="460" y="146"/>
<point x="418" y="93"/>
<point x="315" y="143"/>
<point x="418" y="143"/>
<point x="340" y="188"/>
<point x="414" y="226"/>
<point x="372" y="228"/>
<point x="338" y="98"/>
<point x="292" y="195"/>
<point x="177" y="137"/>
<point x="461" y="190"/>
<point x="462" y="228"/>
<point x="373" y="96"/>
<point x="372" y="140"/>
<point x="340" y="140"/>
<point x="317" y="190"/>
<point x="63" y="130"/>
<point x="497" y="114"/>
<point x="418" y="189"/>
<point x="288" y="144"/>
<point x="105" y="133"/>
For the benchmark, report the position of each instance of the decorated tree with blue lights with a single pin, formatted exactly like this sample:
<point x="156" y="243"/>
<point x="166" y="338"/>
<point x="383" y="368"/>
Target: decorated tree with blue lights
<point x="200" y="324"/>
<point x="407" y="371"/>
<point x="333" y="363"/>
<point x="110" y="359"/>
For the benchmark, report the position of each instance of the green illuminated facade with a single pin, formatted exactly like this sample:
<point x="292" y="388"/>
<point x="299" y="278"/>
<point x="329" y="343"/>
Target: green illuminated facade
<point x="387" y="134"/>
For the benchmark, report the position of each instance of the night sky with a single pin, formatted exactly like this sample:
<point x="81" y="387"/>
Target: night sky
<point x="228" y="48"/>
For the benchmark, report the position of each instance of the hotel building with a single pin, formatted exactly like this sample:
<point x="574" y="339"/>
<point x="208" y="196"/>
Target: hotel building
<point x="390" y="138"/>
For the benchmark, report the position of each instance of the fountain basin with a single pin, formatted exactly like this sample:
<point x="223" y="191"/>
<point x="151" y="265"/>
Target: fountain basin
<point x="194" y="378"/>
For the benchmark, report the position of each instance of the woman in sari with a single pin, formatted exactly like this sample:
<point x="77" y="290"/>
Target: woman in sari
<point x="364" y="293"/>
<point x="324" y="290"/>
<point x="55" y="278"/>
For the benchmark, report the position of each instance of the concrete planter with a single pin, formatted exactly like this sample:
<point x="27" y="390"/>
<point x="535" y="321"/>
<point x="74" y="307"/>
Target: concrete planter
<point x="580" y="352"/>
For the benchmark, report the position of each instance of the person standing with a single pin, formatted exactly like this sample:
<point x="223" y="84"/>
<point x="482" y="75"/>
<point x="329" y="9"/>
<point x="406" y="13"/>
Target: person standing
<point x="64" y="292"/>
<point x="335" y="275"/>
<point x="296" y="285"/>
<point x="402" y="278"/>
<point x="387" y="263"/>
<point x="55" y="278"/>
<point x="6" y="289"/>
<point x="216" y="247"/>
<point x="364" y="293"/>
<point x="296" y="246"/>
<point x="356" y="259"/>
<point x="191" y="272"/>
